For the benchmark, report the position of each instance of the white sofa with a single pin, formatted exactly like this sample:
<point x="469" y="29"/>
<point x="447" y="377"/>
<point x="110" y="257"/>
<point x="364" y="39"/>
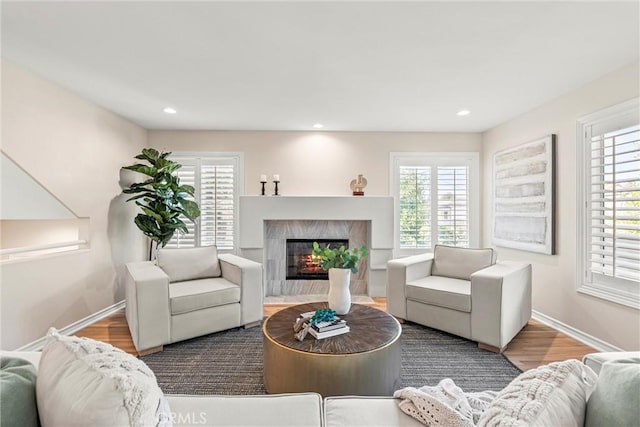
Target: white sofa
<point x="189" y="293"/>
<point x="308" y="409"/>
<point x="462" y="291"/>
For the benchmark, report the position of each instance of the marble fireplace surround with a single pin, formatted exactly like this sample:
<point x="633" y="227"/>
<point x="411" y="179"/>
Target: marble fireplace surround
<point x="276" y="234"/>
<point x="263" y="218"/>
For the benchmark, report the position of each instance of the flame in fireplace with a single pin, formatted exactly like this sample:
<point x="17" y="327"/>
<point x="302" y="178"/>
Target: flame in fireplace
<point x="309" y="265"/>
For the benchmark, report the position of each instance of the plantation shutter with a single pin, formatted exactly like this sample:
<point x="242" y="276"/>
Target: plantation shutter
<point x="215" y="182"/>
<point x="415" y="206"/>
<point x="453" y="205"/>
<point x="613" y="203"/>
<point x="188" y="175"/>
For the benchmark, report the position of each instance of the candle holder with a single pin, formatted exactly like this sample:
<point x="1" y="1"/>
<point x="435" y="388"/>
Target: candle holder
<point x="263" y="183"/>
<point x="276" y="188"/>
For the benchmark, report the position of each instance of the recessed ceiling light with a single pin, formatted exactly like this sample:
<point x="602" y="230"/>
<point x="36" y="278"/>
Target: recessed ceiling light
<point x="318" y="126"/>
<point x="463" y="112"/>
<point x="169" y="110"/>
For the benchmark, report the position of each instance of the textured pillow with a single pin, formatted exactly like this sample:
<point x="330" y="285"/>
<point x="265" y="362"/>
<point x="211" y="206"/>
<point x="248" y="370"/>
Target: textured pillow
<point x="616" y="399"/>
<point x="551" y="395"/>
<point x="84" y="382"/>
<point x="190" y="263"/>
<point x="17" y="393"/>
<point x="460" y="263"/>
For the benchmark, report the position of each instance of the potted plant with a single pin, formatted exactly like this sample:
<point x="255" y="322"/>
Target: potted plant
<point x="339" y="263"/>
<point x="163" y="201"/>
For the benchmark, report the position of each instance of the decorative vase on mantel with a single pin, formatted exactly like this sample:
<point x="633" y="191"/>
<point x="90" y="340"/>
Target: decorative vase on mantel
<point x="339" y="293"/>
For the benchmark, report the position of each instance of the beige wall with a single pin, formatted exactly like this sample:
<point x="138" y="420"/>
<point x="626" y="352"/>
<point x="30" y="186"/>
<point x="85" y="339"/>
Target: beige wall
<point x="314" y="163"/>
<point x="554" y="281"/>
<point x="75" y="149"/>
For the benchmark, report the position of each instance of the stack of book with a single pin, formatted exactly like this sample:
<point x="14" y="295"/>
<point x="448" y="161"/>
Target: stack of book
<point x="329" y="329"/>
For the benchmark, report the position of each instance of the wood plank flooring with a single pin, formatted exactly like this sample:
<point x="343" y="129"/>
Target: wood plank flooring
<point x="537" y="344"/>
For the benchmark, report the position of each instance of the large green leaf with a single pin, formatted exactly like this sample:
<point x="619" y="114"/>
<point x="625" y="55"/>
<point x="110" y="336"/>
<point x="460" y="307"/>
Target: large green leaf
<point x="139" y="196"/>
<point x="191" y="209"/>
<point x="147" y="170"/>
<point x="188" y="189"/>
<point x="149" y="154"/>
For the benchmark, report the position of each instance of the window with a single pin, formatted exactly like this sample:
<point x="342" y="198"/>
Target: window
<point x="436" y="200"/>
<point x="609" y="204"/>
<point x="216" y="178"/>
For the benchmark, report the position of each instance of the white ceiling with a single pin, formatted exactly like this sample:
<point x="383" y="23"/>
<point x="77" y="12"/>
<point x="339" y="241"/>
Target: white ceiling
<point x="357" y="66"/>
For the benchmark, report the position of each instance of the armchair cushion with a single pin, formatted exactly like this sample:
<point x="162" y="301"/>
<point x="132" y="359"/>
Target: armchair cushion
<point x="202" y="293"/>
<point x="460" y="263"/>
<point x="441" y="291"/>
<point x="190" y="263"/>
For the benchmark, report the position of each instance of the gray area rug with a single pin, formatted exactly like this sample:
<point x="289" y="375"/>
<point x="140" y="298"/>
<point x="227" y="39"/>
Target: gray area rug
<point x="230" y="362"/>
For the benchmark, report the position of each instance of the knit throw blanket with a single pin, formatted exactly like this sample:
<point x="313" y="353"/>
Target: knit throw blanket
<point x="444" y="405"/>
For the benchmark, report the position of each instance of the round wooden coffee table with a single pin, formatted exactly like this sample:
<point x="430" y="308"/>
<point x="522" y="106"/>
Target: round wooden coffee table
<point x="364" y="361"/>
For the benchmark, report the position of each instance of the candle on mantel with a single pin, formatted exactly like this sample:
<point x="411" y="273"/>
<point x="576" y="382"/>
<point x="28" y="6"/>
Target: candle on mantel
<point x="263" y="178"/>
<point x="276" y="177"/>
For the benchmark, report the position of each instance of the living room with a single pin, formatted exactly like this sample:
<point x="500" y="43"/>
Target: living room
<point x="550" y="71"/>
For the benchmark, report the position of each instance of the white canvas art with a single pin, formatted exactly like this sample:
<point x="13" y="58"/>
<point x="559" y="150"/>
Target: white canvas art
<point x="523" y="196"/>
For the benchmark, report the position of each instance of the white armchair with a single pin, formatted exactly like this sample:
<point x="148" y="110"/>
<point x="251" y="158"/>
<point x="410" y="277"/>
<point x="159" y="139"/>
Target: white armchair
<point x="463" y="292"/>
<point x="190" y="292"/>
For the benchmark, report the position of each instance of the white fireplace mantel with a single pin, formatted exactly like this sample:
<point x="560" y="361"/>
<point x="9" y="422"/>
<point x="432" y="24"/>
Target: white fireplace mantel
<point x="378" y="211"/>
<point x="255" y="210"/>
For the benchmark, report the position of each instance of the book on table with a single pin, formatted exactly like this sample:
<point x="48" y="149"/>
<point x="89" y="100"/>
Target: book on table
<point x="327" y="334"/>
<point x="329" y="326"/>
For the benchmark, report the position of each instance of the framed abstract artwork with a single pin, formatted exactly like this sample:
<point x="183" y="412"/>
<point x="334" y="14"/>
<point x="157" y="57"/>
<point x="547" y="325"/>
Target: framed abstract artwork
<point x="524" y="196"/>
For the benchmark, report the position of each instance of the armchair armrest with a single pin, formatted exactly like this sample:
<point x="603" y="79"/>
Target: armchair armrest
<point x="500" y="302"/>
<point x="248" y="275"/>
<point x="399" y="272"/>
<point x="147" y="309"/>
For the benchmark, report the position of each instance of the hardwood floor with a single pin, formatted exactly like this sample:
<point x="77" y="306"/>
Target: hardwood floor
<point x="535" y="345"/>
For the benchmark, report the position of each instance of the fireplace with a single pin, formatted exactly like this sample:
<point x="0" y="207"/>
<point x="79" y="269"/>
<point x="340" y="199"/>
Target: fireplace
<point x="300" y="265"/>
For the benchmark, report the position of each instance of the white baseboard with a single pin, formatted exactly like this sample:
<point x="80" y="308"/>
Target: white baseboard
<point x="75" y="326"/>
<point x="574" y="333"/>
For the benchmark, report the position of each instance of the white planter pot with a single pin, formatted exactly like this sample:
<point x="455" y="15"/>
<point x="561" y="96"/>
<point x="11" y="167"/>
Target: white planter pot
<point x="339" y="294"/>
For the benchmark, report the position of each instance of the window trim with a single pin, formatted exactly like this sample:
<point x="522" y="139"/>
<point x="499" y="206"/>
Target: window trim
<point x="238" y="156"/>
<point x="470" y="158"/>
<point x="611" y="289"/>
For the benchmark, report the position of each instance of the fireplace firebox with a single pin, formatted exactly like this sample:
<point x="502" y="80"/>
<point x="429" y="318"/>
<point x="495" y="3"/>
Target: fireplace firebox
<point x="300" y="265"/>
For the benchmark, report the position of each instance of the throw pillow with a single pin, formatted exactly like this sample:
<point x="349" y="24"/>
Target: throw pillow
<point x="17" y="393"/>
<point x="86" y="382"/>
<point x="616" y="399"/>
<point x="551" y="395"/>
<point x="190" y="263"/>
<point x="460" y="263"/>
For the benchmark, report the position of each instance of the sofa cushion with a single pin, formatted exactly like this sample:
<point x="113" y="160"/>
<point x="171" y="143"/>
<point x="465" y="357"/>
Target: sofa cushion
<point x="616" y="399"/>
<point x="17" y="393"/>
<point x="551" y="395"/>
<point x="361" y="411"/>
<point x="85" y="382"/>
<point x="441" y="291"/>
<point x="203" y="293"/>
<point x="596" y="360"/>
<point x="189" y="263"/>
<point x="282" y="410"/>
<point x="460" y="263"/>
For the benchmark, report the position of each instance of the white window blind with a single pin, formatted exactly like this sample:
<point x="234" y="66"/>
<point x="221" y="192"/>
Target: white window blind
<point x="216" y="182"/>
<point x="434" y="200"/>
<point x="415" y="207"/>
<point x="608" y="238"/>
<point x="453" y="205"/>
<point x="614" y="204"/>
